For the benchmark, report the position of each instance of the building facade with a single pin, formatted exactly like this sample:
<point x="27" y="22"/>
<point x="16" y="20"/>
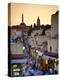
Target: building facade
<point x="54" y="24"/>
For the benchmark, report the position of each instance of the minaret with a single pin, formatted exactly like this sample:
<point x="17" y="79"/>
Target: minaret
<point x="22" y="18"/>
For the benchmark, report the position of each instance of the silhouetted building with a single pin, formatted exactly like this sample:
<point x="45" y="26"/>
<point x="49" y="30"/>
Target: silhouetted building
<point x="19" y="30"/>
<point x="38" y="23"/>
<point x="22" y="25"/>
<point x="37" y="27"/>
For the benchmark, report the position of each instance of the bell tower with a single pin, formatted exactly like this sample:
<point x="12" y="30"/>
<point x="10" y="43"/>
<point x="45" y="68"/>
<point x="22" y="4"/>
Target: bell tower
<point x="38" y="22"/>
<point x="22" y="18"/>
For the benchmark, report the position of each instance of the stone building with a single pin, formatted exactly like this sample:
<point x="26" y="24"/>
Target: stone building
<point x="54" y="24"/>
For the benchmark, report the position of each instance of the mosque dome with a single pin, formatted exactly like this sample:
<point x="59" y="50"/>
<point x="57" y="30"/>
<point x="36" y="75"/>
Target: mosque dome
<point x="22" y="24"/>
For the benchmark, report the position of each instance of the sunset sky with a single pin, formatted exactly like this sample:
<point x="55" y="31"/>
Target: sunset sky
<point x="31" y="12"/>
